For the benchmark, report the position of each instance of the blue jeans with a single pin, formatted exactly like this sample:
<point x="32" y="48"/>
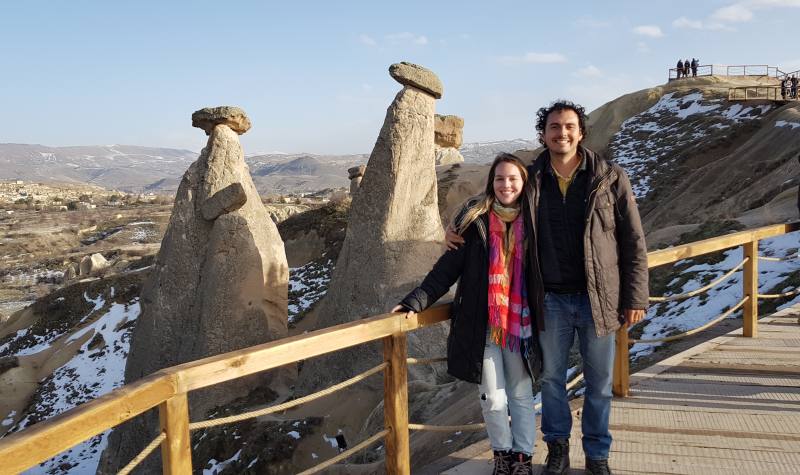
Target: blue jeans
<point x="565" y="315"/>
<point x="506" y="388"/>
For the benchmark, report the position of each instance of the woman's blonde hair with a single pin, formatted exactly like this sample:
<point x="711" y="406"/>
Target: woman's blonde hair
<point x="482" y="203"/>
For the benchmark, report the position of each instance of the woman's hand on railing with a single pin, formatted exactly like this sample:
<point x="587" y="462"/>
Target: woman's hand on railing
<point x="400" y="309"/>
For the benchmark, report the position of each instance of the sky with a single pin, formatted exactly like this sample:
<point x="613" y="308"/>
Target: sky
<point x="313" y="76"/>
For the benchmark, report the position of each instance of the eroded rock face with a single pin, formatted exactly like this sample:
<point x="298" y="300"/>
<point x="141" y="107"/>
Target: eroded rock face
<point x="448" y="137"/>
<point x="71" y="272"/>
<point x="394" y="236"/>
<point x="218" y="284"/>
<point x="449" y="130"/>
<point x="448" y="156"/>
<point x="355" y="174"/>
<point x="92" y="264"/>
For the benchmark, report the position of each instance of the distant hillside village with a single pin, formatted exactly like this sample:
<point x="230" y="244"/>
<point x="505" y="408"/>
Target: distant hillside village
<point x="39" y="196"/>
<point x="23" y="195"/>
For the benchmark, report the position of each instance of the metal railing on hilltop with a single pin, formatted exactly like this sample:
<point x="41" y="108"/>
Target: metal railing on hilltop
<point x="760" y="70"/>
<point x="168" y="389"/>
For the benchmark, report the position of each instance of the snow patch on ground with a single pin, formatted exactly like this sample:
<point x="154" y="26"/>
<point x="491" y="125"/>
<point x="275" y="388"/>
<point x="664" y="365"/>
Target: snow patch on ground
<point x="97" y="369"/>
<point x="307" y="284"/>
<point x="654" y="138"/>
<point x="783" y="123"/>
<point x="217" y="467"/>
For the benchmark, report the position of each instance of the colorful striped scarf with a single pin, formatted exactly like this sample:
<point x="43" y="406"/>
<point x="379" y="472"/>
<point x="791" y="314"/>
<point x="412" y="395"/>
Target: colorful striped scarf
<point x="509" y="314"/>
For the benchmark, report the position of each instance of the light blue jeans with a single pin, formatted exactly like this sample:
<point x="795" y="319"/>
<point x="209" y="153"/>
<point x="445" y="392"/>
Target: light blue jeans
<point x="506" y="388"/>
<point x="565" y="315"/>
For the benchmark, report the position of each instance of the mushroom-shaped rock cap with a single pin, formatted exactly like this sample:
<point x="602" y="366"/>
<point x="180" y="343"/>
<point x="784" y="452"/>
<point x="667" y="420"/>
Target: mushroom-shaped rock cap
<point x="354" y="172"/>
<point x="410" y="74"/>
<point x="209" y="117"/>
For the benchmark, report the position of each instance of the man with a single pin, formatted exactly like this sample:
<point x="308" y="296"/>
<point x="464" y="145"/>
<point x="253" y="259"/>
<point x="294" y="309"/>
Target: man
<point x="679" y="68"/>
<point x="591" y="267"/>
<point x="695" y="64"/>
<point x="588" y="260"/>
<point x="793" y="83"/>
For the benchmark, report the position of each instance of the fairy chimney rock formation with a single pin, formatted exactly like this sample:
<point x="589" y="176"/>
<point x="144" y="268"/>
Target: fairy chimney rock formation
<point x="355" y="174"/>
<point x="219" y="282"/>
<point x="394" y="232"/>
<point x="448" y="138"/>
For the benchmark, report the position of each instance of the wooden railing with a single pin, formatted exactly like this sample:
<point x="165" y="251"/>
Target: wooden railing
<point x="749" y="242"/>
<point x="745" y="93"/>
<point x="168" y="389"/>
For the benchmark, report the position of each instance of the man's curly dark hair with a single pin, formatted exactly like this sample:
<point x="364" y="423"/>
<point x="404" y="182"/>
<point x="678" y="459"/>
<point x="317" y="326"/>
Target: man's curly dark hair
<point x="559" y="105"/>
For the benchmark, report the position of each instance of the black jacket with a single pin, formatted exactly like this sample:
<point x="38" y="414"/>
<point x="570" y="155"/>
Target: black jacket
<point x="615" y="254"/>
<point x="470" y="309"/>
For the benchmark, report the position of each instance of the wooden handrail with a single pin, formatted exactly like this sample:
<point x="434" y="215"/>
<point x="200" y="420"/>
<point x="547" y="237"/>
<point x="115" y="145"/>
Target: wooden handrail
<point x="719" y="243"/>
<point x="168" y="388"/>
<point x="749" y="241"/>
<point x="48" y="438"/>
<point x="24" y="449"/>
<point x="236" y="364"/>
<point x="770" y="93"/>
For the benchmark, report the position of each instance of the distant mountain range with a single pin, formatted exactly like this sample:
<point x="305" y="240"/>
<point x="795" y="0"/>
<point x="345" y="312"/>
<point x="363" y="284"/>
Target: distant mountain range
<point x="149" y="169"/>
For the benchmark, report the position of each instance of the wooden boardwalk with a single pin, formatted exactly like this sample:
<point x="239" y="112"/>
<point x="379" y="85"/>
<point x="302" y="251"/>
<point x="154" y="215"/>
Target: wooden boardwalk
<point x="728" y="406"/>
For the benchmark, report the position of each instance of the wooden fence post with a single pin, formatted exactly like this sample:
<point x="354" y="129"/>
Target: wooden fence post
<point x="176" y="455"/>
<point x="750" y="289"/>
<point x="621" y="363"/>
<point x="395" y="405"/>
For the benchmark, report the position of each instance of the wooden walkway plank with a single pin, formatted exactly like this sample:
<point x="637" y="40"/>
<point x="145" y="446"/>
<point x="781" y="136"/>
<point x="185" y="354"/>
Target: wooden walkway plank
<point x="731" y="405"/>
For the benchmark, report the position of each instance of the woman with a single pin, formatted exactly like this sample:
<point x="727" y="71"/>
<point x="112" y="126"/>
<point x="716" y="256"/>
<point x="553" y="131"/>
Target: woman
<point x="491" y="339"/>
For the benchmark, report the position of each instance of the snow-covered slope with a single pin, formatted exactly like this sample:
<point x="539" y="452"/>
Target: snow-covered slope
<point x="77" y="358"/>
<point x="649" y="144"/>
<point x="484" y="152"/>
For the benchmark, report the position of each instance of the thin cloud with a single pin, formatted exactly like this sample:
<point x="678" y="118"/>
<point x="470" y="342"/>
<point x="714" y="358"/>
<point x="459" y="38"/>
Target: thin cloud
<point x="405" y="38"/>
<point x="684" y="22"/>
<point x="590" y="71"/>
<point x="736" y="13"/>
<point x="687" y="23"/>
<point x="534" y="58"/>
<point x="642" y="47"/>
<point x="652" y="31"/>
<point x="742" y="12"/>
<point x="366" y="40"/>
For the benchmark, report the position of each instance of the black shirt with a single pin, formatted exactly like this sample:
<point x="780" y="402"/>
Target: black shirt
<point x="561" y="223"/>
